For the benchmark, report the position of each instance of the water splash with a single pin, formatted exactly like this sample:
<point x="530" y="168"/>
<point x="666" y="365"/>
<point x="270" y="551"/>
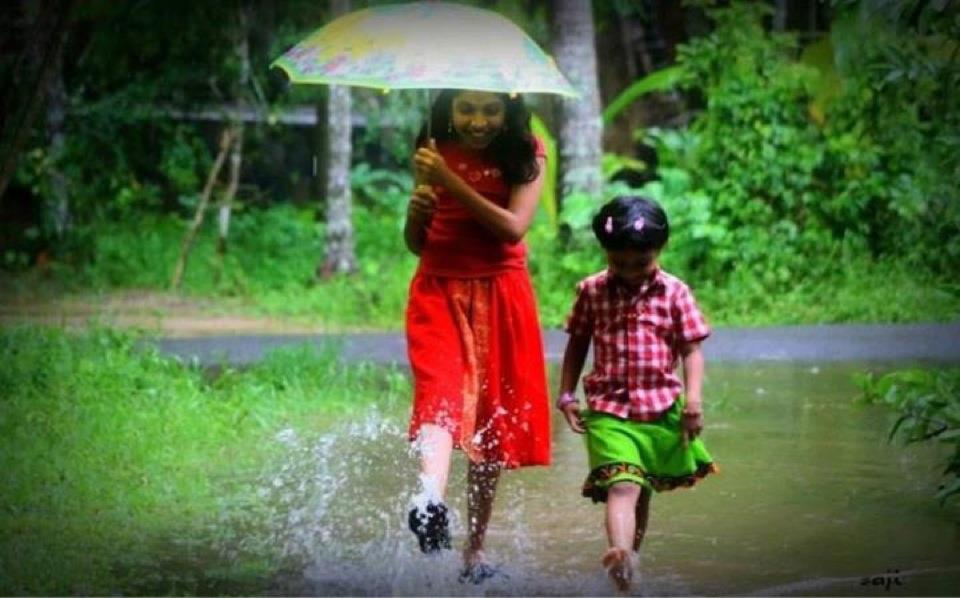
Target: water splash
<point x="338" y="504"/>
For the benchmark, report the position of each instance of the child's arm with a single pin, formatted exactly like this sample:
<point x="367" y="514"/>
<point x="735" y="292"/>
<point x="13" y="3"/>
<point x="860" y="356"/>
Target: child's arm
<point x="574" y="357"/>
<point x="693" y="366"/>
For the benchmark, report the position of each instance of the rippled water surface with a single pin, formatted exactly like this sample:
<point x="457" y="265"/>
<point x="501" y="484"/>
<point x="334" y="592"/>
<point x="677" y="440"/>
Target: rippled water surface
<point x="811" y="499"/>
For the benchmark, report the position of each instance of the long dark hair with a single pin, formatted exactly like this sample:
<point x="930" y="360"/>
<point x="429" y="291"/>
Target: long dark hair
<point x="512" y="150"/>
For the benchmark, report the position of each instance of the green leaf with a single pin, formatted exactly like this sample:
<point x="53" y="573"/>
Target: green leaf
<point x="949" y="435"/>
<point x="662" y="80"/>
<point x="548" y="195"/>
<point x="948" y="490"/>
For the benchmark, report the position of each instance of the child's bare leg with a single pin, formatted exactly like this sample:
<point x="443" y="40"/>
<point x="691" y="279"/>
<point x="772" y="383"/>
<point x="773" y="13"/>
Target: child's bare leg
<point x="482" y="481"/>
<point x="436" y="449"/>
<point x="642" y="516"/>
<point x="621" y="514"/>
<point x="622" y="500"/>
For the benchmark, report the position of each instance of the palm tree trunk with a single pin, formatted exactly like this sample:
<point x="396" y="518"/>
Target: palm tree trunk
<point x="34" y="65"/>
<point x="339" y="252"/>
<point x="580" y="121"/>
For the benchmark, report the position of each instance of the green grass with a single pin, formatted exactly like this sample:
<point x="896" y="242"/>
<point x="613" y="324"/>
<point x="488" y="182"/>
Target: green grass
<point x="121" y="465"/>
<point x="269" y="270"/>
<point x="860" y="291"/>
<point x="373" y="300"/>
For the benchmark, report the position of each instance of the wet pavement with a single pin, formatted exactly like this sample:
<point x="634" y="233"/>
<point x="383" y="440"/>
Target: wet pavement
<point x="927" y="343"/>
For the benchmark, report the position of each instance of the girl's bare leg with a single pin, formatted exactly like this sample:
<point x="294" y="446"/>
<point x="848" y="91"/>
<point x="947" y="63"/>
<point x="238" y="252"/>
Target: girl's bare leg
<point x="428" y="518"/>
<point x="482" y="481"/>
<point x="642" y="516"/>
<point x="436" y="449"/>
<point x="621" y="522"/>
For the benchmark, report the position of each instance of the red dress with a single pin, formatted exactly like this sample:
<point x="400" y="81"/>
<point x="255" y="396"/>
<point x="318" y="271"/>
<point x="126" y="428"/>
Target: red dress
<point x="473" y="334"/>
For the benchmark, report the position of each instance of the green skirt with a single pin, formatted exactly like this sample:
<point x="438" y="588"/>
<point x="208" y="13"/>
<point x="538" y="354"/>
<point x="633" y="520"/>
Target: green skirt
<point x="650" y="454"/>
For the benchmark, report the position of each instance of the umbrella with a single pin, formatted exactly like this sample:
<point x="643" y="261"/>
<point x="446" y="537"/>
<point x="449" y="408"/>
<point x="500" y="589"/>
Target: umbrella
<point x="424" y="45"/>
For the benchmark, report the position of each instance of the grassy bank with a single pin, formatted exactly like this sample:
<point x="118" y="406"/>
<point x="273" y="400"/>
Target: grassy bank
<point x="269" y="271"/>
<point x="128" y="472"/>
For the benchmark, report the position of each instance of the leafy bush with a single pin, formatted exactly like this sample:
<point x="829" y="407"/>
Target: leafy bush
<point x="771" y="185"/>
<point x="929" y="405"/>
<point x="753" y="150"/>
<point x="893" y="133"/>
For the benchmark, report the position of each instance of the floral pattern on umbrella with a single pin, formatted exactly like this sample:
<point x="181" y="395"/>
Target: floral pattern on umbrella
<point x="425" y="45"/>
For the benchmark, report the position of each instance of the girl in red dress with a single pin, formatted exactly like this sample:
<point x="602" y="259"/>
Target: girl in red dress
<point x="473" y="335"/>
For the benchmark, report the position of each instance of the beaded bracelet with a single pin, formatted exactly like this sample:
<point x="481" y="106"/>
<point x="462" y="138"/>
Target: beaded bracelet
<point x="565" y="399"/>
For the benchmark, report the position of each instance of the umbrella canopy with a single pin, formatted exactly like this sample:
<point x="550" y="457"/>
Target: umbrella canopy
<point x="425" y="45"/>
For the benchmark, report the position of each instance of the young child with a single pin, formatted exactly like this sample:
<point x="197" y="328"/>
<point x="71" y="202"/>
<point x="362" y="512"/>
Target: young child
<point x="642" y="424"/>
<point x="473" y="335"/>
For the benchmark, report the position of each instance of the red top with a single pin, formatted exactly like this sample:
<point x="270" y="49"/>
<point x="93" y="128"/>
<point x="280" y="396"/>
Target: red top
<point x="636" y="337"/>
<point x="456" y="244"/>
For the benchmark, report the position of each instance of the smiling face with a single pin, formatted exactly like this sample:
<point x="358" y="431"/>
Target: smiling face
<point x="478" y="117"/>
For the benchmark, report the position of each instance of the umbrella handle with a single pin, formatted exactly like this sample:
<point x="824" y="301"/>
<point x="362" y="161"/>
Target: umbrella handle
<point x="429" y="117"/>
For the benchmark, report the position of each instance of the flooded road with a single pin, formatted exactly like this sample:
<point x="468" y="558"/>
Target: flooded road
<point x="810" y="500"/>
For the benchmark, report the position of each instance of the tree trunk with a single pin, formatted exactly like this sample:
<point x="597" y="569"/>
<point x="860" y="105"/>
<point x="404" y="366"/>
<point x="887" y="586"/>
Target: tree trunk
<point x="58" y="206"/>
<point x="21" y="97"/>
<point x="242" y="50"/>
<point x="320" y="142"/>
<point x="580" y="122"/>
<point x="780" y="15"/>
<point x="226" y="201"/>
<point x="339" y="256"/>
<point x="226" y="140"/>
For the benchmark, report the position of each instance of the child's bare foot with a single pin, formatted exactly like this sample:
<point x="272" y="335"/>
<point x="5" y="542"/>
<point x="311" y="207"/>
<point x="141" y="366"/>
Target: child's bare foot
<point x="617" y="563"/>
<point x="638" y="540"/>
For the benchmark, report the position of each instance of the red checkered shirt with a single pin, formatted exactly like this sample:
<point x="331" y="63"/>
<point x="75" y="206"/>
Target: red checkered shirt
<point x="636" y="339"/>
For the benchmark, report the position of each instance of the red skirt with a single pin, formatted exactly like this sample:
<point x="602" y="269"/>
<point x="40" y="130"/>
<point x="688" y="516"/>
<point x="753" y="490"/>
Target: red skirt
<point x="476" y="352"/>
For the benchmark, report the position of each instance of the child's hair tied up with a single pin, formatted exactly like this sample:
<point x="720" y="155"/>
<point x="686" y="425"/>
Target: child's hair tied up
<point x="631" y="222"/>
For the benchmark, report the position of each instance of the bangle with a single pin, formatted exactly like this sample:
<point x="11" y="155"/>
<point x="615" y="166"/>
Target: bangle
<point x="566" y="398"/>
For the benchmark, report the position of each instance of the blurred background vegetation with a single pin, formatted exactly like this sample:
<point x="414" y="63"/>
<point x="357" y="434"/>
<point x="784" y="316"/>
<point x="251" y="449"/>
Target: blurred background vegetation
<point x="807" y="153"/>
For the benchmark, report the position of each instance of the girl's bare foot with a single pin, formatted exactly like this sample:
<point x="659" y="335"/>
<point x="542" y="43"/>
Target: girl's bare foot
<point x="476" y="569"/>
<point x="473" y="556"/>
<point x="617" y="563"/>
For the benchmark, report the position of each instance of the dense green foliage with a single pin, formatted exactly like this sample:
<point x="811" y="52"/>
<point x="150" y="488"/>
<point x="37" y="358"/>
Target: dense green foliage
<point x="780" y="195"/>
<point x="117" y="459"/>
<point x="929" y="405"/>
<point x="773" y="193"/>
<point x="804" y="173"/>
